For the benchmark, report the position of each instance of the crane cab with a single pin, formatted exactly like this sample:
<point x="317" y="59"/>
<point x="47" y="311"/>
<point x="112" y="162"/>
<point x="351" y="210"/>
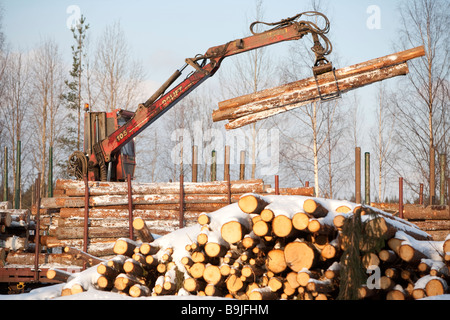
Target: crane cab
<point x="98" y="126"/>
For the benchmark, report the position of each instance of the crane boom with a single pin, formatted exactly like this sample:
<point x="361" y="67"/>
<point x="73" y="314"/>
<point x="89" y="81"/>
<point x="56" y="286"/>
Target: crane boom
<point x="205" y="66"/>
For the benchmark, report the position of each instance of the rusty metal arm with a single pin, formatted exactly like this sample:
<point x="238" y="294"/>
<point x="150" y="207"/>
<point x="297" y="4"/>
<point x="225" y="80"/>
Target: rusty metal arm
<point x="205" y="66"/>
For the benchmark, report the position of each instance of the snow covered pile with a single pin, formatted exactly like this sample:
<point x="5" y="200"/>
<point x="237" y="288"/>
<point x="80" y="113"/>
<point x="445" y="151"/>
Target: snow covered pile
<point x="244" y="266"/>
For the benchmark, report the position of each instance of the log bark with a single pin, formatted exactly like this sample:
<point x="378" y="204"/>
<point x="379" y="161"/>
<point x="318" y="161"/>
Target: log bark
<point x="59" y="275"/>
<point x="359" y="68"/>
<point x="260" y="105"/>
<point x="74" y="188"/>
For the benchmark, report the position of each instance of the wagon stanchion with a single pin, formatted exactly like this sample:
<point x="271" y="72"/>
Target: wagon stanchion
<point x="277" y="185"/>
<point x="181" y="215"/>
<point x="421" y="194"/>
<point x="130" y="207"/>
<point x="86" y="214"/>
<point x="37" y="239"/>
<point x="400" y="197"/>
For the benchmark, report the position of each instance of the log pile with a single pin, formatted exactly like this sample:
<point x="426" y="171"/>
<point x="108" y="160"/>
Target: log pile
<point x="15" y="225"/>
<point x="280" y="247"/>
<point x="250" y="108"/>
<point x="62" y="216"/>
<point x="433" y="219"/>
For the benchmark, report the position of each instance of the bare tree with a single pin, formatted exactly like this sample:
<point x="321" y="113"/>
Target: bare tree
<point x="382" y="138"/>
<point x="15" y="102"/>
<point x="251" y="72"/>
<point x="421" y="102"/>
<point x="48" y="87"/>
<point x="117" y="75"/>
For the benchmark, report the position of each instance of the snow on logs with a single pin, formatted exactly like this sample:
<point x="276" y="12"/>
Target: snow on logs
<point x="224" y="255"/>
<point x="250" y="108"/>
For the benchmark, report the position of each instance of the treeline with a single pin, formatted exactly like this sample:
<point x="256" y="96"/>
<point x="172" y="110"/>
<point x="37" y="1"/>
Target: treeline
<point x="42" y="98"/>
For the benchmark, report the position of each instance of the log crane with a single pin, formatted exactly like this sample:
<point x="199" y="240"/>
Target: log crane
<point x="109" y="152"/>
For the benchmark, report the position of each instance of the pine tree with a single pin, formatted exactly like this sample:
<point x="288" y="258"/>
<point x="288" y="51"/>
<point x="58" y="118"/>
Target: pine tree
<point x="74" y="96"/>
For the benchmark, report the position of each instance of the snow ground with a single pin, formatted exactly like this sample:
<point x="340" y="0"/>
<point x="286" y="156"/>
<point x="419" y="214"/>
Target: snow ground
<point x="177" y="240"/>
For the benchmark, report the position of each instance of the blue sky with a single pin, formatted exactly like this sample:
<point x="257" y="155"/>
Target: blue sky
<point x="163" y="33"/>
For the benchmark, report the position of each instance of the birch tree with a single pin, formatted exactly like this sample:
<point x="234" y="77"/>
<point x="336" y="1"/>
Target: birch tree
<point x="48" y="87"/>
<point x="118" y="76"/>
<point x="421" y="102"/>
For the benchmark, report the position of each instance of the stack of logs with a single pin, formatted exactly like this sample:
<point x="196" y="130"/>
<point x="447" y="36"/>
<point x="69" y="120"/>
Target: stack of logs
<point x="15" y="225"/>
<point x="434" y="219"/>
<point x="241" y="111"/>
<point x="62" y="216"/>
<point x="276" y="247"/>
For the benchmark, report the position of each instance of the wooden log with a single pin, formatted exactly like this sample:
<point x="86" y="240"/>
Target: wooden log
<point x="320" y="226"/>
<point x="397" y="293"/>
<point x="122" y="200"/>
<point x="300" y="220"/>
<point x="212" y="275"/>
<point x="142" y="230"/>
<point x="197" y="269"/>
<point x="233" y="231"/>
<point x="252" y="203"/>
<point x="77" y="288"/>
<point x="435" y="287"/>
<point x="194" y="284"/>
<point x="124" y="282"/>
<point x="250" y="240"/>
<point x="303" y="276"/>
<point x="416" y="212"/>
<point x="28" y="258"/>
<point x="79" y="254"/>
<point x="139" y="290"/>
<point x="59" y="275"/>
<point x="314" y="208"/>
<point x="5" y="218"/>
<point x="125" y="246"/>
<point x="359" y="68"/>
<point x="300" y="254"/>
<point x="264" y="293"/>
<point x="133" y="267"/>
<point x="261" y="228"/>
<point x="388" y="256"/>
<point x="282" y="227"/>
<point x="275" y="261"/>
<point x="212" y="290"/>
<point x="105" y="270"/>
<point x="234" y="283"/>
<point x="148" y="248"/>
<point x="204" y="218"/>
<point x="333" y="271"/>
<point x="215" y="249"/>
<point x="263" y="104"/>
<point x="323" y="286"/>
<point x="105" y="283"/>
<point x="330" y="250"/>
<point x="75" y="188"/>
<point x="275" y="283"/>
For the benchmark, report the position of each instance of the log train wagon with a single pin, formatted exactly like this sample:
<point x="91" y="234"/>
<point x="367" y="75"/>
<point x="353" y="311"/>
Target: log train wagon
<point x="164" y="206"/>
